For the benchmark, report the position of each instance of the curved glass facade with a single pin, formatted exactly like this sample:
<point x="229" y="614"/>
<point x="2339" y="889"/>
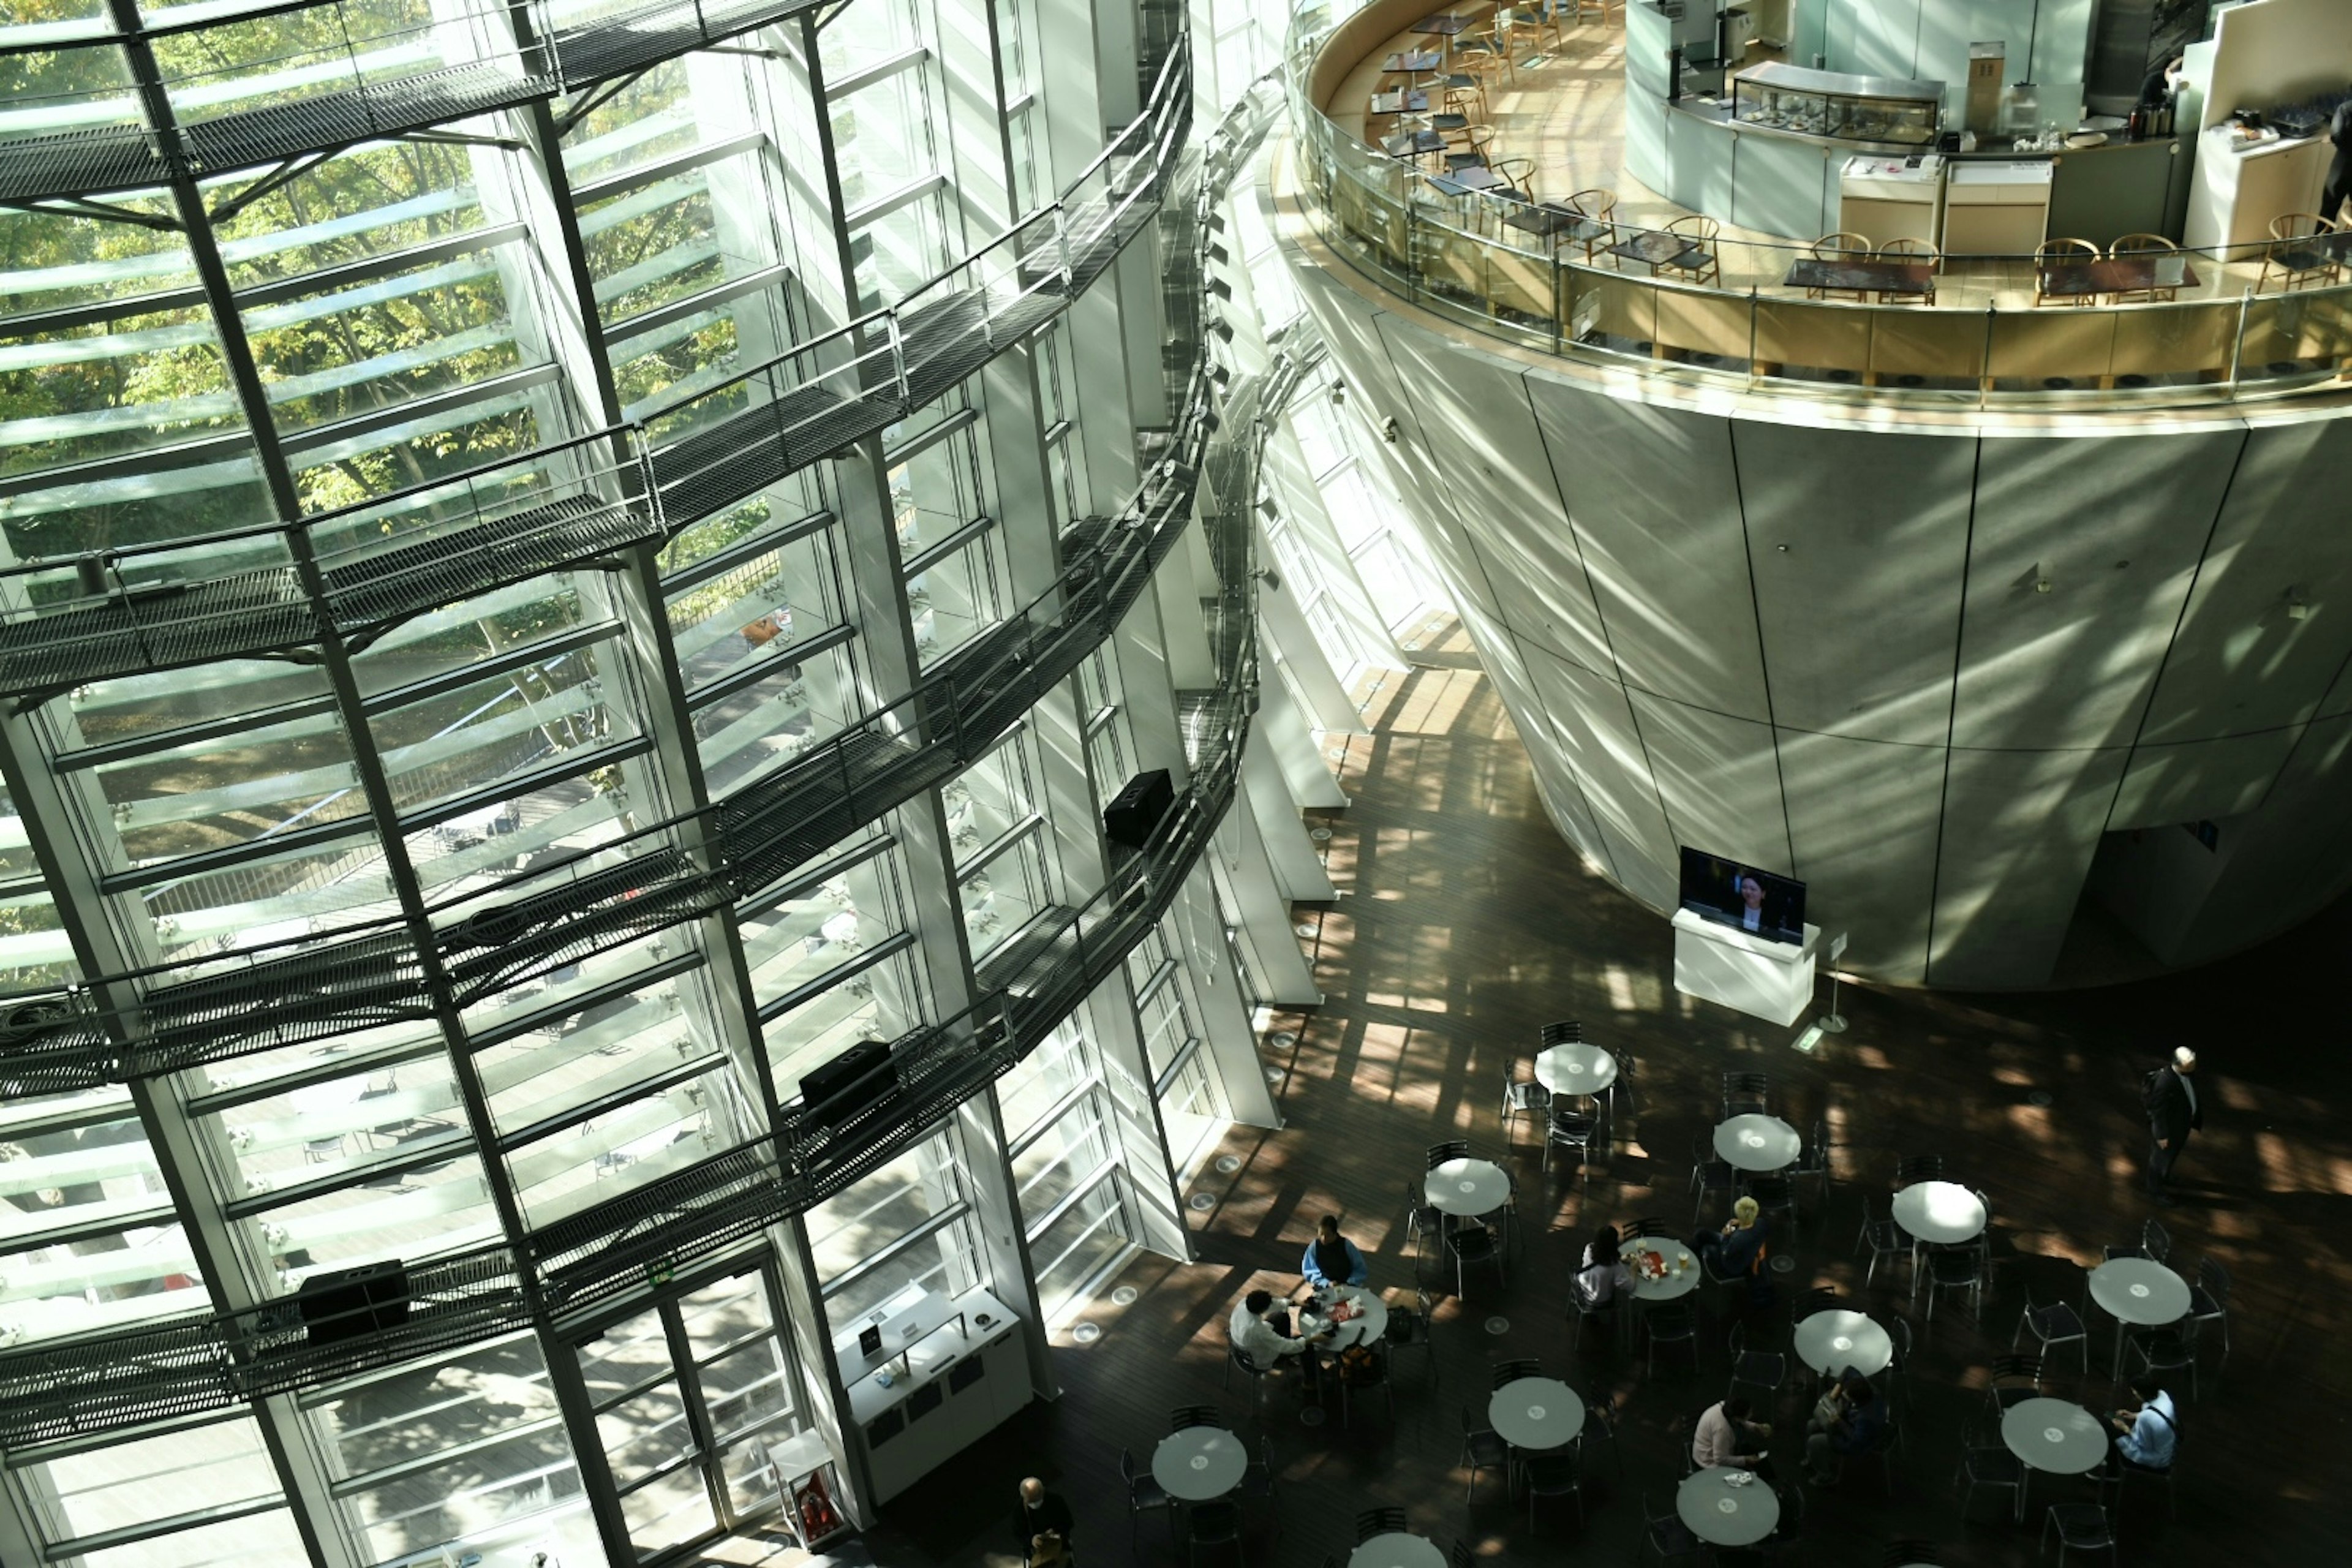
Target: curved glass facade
<point x="561" y="566"/>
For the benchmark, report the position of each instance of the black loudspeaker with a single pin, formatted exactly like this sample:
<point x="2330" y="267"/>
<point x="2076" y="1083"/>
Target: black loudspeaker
<point x="351" y="1303"/>
<point x="1136" y="811"/>
<point x="850" y="1083"/>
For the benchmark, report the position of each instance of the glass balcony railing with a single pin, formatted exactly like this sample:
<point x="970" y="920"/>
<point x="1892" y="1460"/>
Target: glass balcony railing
<point x="2210" y="326"/>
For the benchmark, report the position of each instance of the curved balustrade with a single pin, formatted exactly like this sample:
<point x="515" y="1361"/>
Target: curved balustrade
<point x="1488" y="262"/>
<point x="108" y="1383"/>
<point x="307" y="76"/>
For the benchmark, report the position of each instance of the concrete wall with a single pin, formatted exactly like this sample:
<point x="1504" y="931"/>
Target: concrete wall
<point x="1925" y="663"/>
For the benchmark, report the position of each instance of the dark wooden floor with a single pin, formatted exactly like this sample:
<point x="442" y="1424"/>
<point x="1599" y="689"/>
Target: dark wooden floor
<point x="1466" y="923"/>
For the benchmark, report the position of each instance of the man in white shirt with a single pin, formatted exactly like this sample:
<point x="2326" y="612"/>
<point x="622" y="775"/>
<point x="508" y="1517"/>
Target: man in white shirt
<point x="1261" y="1341"/>
<point x="1726" y="1437"/>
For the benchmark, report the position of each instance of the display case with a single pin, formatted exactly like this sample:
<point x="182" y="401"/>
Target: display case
<point x="1882" y="111"/>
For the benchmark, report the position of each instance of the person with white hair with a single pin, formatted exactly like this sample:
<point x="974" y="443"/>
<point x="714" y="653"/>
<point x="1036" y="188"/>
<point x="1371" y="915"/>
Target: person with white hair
<point x="2173" y="1113"/>
<point x="1041" y="1525"/>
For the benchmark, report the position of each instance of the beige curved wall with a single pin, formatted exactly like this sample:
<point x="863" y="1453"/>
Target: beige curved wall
<point x="1939" y="667"/>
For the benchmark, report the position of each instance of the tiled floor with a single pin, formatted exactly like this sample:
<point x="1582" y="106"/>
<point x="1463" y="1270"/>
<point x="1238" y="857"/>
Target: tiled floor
<point x="1466" y="923"/>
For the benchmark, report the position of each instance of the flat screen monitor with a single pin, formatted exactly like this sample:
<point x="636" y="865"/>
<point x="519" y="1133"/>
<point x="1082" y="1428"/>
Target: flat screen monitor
<point x="1743" y="897"/>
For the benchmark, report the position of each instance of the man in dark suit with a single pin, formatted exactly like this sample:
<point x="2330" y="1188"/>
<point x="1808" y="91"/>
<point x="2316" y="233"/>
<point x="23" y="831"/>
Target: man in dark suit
<point x="2173" y="1113"/>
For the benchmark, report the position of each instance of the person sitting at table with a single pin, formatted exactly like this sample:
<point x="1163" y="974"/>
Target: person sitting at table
<point x="1604" y="1275"/>
<point x="1606" y="1236"/>
<point x="1264" y="1335"/>
<point x="1856" y="1416"/>
<point x="1725" y="1438"/>
<point x="1737" y="1248"/>
<point x="1332" y="1258"/>
<point x="2144" y="1437"/>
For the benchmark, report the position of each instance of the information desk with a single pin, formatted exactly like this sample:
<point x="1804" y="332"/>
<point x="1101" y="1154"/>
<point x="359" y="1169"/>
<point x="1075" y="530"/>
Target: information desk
<point x="951" y="1379"/>
<point x="1770" y="980"/>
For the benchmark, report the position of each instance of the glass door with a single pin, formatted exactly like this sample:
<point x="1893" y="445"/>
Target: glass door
<point x="687" y="1394"/>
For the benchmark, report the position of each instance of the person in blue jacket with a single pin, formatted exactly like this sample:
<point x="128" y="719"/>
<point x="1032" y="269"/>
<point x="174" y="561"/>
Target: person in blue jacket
<point x="1332" y="1258"/>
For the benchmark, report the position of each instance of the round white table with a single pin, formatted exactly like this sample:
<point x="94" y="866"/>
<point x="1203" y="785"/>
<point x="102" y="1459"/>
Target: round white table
<point x="2140" y="1291"/>
<point x="1724" y="1512"/>
<point x="1758" y="1144"/>
<point x="1367" y="1327"/>
<point x="1397" y="1550"/>
<point x="2054" y="1436"/>
<point x="1467" y="1188"/>
<point x="1199" y="1464"/>
<point x="1943" y="1213"/>
<point x="1681" y="1277"/>
<point x="1536" y="1412"/>
<point x="1836" y="1340"/>
<point x="1576" y="1069"/>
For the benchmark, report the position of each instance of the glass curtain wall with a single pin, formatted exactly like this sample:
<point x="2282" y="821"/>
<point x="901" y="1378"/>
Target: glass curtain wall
<point x="491" y="421"/>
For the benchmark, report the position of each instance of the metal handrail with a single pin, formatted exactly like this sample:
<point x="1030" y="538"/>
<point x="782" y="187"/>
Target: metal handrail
<point x="104" y="1383"/>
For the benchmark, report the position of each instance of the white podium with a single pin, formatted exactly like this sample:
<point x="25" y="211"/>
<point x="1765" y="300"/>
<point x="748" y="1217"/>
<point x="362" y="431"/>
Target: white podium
<point x="1749" y="974"/>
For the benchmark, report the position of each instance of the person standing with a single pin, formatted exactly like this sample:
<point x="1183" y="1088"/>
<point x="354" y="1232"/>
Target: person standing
<point x="2173" y="1113"/>
<point x="1042" y="1524"/>
<point x="2339" y="173"/>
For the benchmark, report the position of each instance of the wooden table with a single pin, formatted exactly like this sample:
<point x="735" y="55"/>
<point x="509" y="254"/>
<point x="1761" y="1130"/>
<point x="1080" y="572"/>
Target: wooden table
<point x="2118" y="275"/>
<point x="1656" y="247"/>
<point x="1862" y="276"/>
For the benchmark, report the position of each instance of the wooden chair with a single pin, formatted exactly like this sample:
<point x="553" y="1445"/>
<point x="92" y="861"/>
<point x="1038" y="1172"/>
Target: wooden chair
<point x="1843" y="246"/>
<point x="1597" y="205"/>
<point x="2052" y="253"/>
<point x="2292" y="260"/>
<point x="1491" y="43"/>
<point x="1519" y="174"/>
<point x="2143" y="245"/>
<point x="1591" y="8"/>
<point x="1910" y="250"/>
<point x="1470" y="76"/>
<point x="1541" y="24"/>
<point x="1700" y="230"/>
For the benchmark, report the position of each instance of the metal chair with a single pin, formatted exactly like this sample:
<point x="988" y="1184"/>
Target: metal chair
<point x="1368" y="1377"/>
<point x="1144" y="1495"/>
<point x="1552" y="1475"/>
<point x="1504" y="1371"/>
<point x="1774" y="1195"/>
<point x="1482" y="1448"/>
<point x="1374" y="1522"/>
<point x="1911" y="250"/>
<point x="1453" y="1149"/>
<point x="1898" y="1365"/>
<point x="2134" y="245"/>
<point x="1670" y="1322"/>
<point x="1919" y="1168"/>
<point x="2209" y="1299"/>
<point x="1745" y="1094"/>
<point x="2154" y="1241"/>
<point x="1237" y="1357"/>
<point x="2292" y="260"/>
<point x="1649" y="1225"/>
<point x="1665" y="1533"/>
<point x="1421" y="1215"/>
<point x="1213" y="1524"/>
<point x="1885" y="1238"/>
<point x="2120" y="1473"/>
<point x="1843" y="245"/>
<point x="1572" y="1129"/>
<point x="2164" y="1350"/>
<point x="1408" y="1331"/>
<point x="1986" y="1461"/>
<point x="1629" y="1066"/>
<point x="1903" y="1554"/>
<point x="1958" y="1268"/>
<point x="2053" y="255"/>
<point x="1567" y="1032"/>
<point x="1581" y="1310"/>
<point x="1814" y="1159"/>
<point x="1767" y="1371"/>
<point x="2054" y="1323"/>
<point x="1708" y="1174"/>
<point x="1473" y="1242"/>
<point x="1600" y="1426"/>
<point x="1803" y="1305"/>
<point x="1184" y="1417"/>
<point x="2014" y="1378"/>
<point x="2081" y="1527"/>
<point x="1518" y="1096"/>
<point x="1257" y="1479"/>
